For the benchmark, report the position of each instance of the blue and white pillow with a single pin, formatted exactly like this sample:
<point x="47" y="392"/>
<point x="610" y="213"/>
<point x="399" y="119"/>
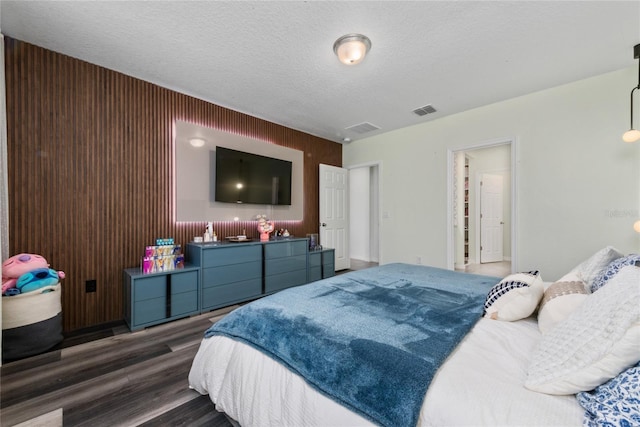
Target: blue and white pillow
<point x="591" y="268"/>
<point x="515" y="297"/>
<point x="614" y="403"/>
<point x="612" y="269"/>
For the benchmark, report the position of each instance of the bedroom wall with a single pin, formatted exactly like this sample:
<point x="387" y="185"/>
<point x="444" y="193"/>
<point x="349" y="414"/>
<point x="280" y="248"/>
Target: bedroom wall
<point x="577" y="181"/>
<point x="90" y="164"/>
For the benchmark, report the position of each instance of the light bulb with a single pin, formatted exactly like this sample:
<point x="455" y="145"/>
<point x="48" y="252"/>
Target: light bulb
<point x="632" y="135"/>
<point x="636" y="226"/>
<point x="352" y="48"/>
<point x="352" y="52"/>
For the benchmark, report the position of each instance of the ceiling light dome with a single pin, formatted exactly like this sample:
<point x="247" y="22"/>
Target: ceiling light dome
<point x="197" y="142"/>
<point x="352" y="48"/>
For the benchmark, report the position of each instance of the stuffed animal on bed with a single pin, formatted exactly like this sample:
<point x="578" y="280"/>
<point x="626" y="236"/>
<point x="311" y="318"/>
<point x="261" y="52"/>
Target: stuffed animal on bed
<point x="18" y="265"/>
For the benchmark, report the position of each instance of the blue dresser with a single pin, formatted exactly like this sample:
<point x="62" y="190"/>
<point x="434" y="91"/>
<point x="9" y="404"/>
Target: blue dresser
<point x="285" y="264"/>
<point x="220" y="274"/>
<point x="321" y="264"/>
<point x="154" y="298"/>
<point x="229" y="272"/>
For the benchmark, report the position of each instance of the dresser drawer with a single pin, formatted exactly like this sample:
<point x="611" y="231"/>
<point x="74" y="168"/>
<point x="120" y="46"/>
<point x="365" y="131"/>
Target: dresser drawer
<point x="219" y="296"/>
<point x="217" y="276"/>
<point x="231" y="255"/>
<point x="283" y="265"/>
<point x="285" y="249"/>
<point x="184" y="282"/>
<point x="315" y="273"/>
<point x="150" y="287"/>
<point x="315" y="259"/>
<point x="150" y="310"/>
<point x="183" y="303"/>
<point x="285" y="280"/>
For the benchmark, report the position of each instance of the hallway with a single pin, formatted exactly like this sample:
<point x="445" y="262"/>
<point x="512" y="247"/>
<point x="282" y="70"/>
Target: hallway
<point x="497" y="269"/>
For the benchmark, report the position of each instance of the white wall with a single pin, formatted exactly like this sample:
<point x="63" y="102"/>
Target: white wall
<point x="577" y="182"/>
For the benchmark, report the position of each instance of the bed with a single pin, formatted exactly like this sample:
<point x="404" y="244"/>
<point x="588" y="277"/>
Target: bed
<point x="260" y="367"/>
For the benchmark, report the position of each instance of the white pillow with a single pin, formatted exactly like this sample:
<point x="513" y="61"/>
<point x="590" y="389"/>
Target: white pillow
<point x="573" y="276"/>
<point x="594" y="344"/>
<point x="590" y="269"/>
<point x="515" y="297"/>
<point x="558" y="302"/>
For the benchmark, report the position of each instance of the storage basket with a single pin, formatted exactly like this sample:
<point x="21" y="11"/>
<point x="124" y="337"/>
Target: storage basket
<point x="31" y="322"/>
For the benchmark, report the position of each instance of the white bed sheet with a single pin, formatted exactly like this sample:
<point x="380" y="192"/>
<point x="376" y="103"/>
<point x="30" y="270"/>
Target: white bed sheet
<point x="481" y="383"/>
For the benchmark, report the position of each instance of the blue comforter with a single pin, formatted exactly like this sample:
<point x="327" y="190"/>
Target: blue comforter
<point x="372" y="339"/>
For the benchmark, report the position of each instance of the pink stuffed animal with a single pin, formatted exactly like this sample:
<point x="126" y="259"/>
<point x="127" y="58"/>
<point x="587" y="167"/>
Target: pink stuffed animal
<point x="17" y="265"/>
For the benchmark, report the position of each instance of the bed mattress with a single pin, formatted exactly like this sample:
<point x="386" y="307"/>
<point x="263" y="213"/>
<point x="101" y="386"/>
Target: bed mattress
<point x="481" y="383"/>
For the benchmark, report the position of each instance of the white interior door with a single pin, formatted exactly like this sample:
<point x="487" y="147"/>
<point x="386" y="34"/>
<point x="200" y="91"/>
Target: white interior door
<point x="491" y="218"/>
<point x="334" y="213"/>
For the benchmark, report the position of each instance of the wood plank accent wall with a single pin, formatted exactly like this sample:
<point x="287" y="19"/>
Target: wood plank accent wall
<point x="90" y="163"/>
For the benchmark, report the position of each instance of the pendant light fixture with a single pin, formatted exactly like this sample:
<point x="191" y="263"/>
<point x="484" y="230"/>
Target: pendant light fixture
<point x="633" y="135"/>
<point x="352" y="48"/>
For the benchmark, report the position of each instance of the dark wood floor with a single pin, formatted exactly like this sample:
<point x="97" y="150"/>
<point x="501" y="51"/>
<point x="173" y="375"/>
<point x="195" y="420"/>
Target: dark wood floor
<point x="128" y="379"/>
<point x="113" y="377"/>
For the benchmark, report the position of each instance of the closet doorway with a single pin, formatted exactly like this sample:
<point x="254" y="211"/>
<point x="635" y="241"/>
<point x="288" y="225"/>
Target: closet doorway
<point x="364" y="214"/>
<point x="481" y="215"/>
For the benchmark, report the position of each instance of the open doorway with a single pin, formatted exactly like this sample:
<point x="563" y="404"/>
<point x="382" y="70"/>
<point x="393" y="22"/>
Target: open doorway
<point x="481" y="231"/>
<point x="364" y="218"/>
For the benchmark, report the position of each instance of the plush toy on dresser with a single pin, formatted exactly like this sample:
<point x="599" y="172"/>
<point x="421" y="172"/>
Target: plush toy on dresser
<point x="31" y="306"/>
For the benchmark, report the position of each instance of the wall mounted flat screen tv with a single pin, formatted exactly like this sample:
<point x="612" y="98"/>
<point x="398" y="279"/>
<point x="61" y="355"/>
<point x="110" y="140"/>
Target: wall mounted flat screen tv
<point x="250" y="178"/>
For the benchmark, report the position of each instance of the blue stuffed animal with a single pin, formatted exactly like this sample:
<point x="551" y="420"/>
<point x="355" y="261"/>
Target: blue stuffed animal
<point x="36" y="279"/>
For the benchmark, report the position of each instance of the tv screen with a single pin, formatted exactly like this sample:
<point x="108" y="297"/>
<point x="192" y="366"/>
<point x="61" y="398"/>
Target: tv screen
<point x="250" y="178"/>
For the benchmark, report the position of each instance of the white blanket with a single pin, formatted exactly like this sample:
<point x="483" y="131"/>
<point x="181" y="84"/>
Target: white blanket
<point x="480" y="384"/>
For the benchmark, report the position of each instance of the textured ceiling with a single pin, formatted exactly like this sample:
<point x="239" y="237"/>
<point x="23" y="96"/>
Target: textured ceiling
<point x="274" y="60"/>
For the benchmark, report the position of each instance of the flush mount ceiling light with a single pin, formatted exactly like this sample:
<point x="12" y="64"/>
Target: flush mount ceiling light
<point x="633" y="135"/>
<point x="352" y="48"/>
<point x="197" y="142"/>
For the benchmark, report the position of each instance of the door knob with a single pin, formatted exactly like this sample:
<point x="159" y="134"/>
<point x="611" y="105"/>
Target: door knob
<point x="323" y="224"/>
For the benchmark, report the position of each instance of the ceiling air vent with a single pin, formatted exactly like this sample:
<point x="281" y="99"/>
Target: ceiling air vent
<point x="423" y="111"/>
<point x="362" y="128"/>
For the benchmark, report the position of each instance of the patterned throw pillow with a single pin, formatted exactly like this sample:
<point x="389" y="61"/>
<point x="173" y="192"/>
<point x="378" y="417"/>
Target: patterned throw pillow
<point x="614" y="403"/>
<point x="559" y="301"/>
<point x="596" y="343"/>
<point x="591" y="268"/>
<point x="612" y="269"/>
<point x="515" y="297"/>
